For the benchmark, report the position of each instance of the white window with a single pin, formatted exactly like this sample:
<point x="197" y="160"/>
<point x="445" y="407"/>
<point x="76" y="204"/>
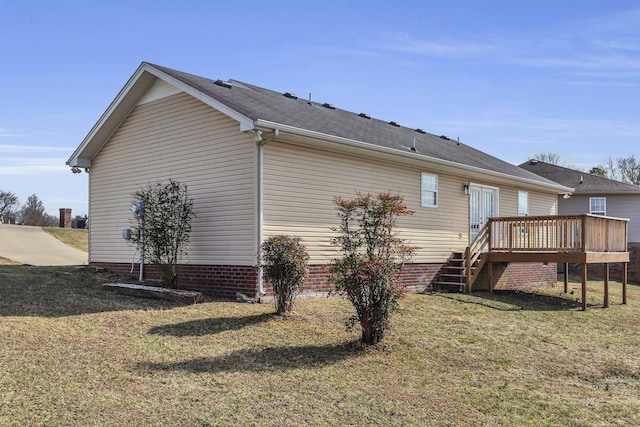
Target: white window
<point x="523" y="203"/>
<point x="429" y="190"/>
<point x="598" y="206"/>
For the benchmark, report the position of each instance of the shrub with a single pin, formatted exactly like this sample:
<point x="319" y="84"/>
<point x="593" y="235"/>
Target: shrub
<point x="372" y="257"/>
<point x="163" y="232"/>
<point x="284" y="265"/>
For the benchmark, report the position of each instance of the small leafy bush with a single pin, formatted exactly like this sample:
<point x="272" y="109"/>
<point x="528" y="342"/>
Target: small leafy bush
<point x="284" y="262"/>
<point x="372" y="257"/>
<point x="165" y="228"/>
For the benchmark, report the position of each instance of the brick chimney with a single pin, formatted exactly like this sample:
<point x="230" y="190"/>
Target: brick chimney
<point x="65" y="218"/>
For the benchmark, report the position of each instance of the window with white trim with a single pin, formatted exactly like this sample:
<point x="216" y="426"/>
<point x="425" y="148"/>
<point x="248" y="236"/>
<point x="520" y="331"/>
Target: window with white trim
<point x="429" y="196"/>
<point x="523" y="203"/>
<point x="598" y="206"/>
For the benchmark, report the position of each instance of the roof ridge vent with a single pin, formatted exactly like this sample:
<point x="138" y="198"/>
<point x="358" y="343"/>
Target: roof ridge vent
<point x="445" y="137"/>
<point x="223" y="84"/>
<point x="291" y="95"/>
<point x="396" y="124"/>
<point x="329" y="106"/>
<point x="420" y="130"/>
<point x="364" y="116"/>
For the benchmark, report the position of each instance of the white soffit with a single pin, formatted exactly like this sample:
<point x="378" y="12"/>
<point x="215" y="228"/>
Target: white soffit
<point x="159" y="90"/>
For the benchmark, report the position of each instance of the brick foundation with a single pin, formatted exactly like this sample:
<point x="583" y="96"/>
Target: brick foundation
<point x="216" y="280"/>
<point x="225" y="280"/>
<point x="518" y="275"/>
<point x="417" y="278"/>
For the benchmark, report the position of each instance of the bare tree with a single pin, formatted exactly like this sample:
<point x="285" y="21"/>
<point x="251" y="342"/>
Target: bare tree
<point x="548" y="157"/>
<point x="8" y="201"/>
<point x="625" y="169"/>
<point x="33" y="212"/>
<point x="610" y="168"/>
<point x="629" y="168"/>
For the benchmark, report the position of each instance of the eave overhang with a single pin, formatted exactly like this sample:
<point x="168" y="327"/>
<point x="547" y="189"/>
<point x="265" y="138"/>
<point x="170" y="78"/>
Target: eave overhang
<point x="309" y="137"/>
<point x="139" y="83"/>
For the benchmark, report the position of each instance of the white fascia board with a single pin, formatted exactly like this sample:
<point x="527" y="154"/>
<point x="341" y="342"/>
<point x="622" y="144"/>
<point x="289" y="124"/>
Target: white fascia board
<point x="268" y="125"/>
<point x="138" y="82"/>
<point x="245" y="122"/>
<point x="116" y="104"/>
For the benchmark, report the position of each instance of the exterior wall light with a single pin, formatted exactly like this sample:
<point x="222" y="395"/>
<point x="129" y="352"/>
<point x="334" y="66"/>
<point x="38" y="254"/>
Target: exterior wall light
<point x="465" y="187"/>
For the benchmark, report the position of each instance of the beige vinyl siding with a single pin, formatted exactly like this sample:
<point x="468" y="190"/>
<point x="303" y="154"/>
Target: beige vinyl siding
<point x="540" y="204"/>
<point x="618" y="206"/>
<point x="181" y="138"/>
<point x="300" y="184"/>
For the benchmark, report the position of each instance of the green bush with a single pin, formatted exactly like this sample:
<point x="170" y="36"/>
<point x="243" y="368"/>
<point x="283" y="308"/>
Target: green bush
<point x="284" y="264"/>
<point x="372" y="257"/>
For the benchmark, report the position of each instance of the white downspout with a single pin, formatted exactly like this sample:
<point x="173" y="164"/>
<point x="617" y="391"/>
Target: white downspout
<point x="261" y="143"/>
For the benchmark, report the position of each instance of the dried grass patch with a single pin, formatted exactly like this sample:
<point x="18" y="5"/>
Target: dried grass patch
<point x="74" y="354"/>
<point x="75" y="237"/>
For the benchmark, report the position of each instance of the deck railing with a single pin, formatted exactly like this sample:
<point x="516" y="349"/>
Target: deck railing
<point x="555" y="234"/>
<point x="568" y="234"/>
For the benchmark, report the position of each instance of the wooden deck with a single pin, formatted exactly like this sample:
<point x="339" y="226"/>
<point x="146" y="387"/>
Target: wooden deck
<point x="580" y="239"/>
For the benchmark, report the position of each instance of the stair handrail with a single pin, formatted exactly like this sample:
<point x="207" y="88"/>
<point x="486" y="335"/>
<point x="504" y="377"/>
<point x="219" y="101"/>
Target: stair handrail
<point x="474" y="252"/>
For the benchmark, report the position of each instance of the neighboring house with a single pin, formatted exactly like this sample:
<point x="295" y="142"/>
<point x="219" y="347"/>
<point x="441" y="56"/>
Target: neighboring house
<point x="597" y="196"/>
<point x="259" y="163"/>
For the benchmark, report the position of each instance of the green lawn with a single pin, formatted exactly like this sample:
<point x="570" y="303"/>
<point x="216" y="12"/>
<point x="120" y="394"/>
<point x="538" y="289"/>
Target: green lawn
<point x="73" y="354"/>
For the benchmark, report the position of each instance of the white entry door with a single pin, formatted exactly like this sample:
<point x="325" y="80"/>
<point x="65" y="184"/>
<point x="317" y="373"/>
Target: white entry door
<point x="483" y="204"/>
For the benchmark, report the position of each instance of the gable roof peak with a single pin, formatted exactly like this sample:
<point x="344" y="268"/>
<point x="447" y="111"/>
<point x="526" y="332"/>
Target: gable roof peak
<point x="254" y="107"/>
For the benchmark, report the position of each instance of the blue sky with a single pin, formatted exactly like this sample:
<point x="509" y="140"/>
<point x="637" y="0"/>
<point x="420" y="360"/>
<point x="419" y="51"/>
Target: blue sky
<point x="511" y="78"/>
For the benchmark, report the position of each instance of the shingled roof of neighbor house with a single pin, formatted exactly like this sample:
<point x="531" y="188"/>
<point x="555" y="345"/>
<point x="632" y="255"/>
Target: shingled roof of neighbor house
<point x="254" y="105"/>
<point x="582" y="182"/>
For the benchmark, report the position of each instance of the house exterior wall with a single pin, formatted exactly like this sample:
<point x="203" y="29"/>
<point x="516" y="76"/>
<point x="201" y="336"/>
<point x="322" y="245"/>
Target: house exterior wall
<point x="300" y="184"/>
<point x="172" y="135"/>
<point x="540" y="204"/>
<point x="177" y="137"/>
<point x="618" y="206"/>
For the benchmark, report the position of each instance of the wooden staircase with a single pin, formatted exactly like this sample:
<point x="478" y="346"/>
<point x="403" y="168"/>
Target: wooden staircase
<point x="463" y="268"/>
<point x="452" y="276"/>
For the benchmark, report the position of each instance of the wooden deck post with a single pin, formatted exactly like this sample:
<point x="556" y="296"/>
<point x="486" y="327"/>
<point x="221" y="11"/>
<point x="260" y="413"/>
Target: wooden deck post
<point x="490" y="276"/>
<point x="566" y="277"/>
<point x="467" y="266"/>
<point x="606" y="285"/>
<point x="624" y="282"/>
<point x="584" y="287"/>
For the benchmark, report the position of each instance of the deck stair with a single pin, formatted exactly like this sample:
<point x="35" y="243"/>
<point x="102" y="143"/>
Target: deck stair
<point x="452" y="276"/>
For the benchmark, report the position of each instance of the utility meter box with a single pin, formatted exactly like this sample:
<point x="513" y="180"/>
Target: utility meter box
<point x="138" y="209"/>
<point x="126" y="234"/>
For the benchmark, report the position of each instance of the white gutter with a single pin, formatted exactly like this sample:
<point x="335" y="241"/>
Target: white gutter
<point x="265" y="124"/>
<point x="260" y="225"/>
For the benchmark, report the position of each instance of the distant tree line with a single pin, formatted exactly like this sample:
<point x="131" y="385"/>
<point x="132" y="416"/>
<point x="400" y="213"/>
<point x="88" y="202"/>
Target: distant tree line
<point x="32" y="212"/>
<point x="623" y="169"/>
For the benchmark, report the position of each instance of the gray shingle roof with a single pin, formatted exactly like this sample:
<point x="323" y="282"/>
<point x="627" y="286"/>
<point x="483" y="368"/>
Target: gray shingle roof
<point x="257" y="103"/>
<point x="583" y="182"/>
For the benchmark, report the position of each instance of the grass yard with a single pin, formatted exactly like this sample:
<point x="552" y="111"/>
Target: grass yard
<point x="74" y="237"/>
<point x="73" y="354"/>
